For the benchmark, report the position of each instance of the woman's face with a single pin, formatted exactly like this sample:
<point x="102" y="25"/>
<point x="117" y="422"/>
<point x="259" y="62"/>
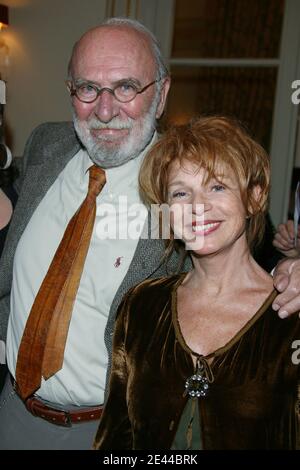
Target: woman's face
<point x="209" y="216"/>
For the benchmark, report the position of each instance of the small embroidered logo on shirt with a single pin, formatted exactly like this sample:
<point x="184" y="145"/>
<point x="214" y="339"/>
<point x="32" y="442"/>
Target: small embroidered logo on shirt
<point x="118" y="261"/>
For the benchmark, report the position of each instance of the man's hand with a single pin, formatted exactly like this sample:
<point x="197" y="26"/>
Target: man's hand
<point x="284" y="240"/>
<point x="287" y="282"/>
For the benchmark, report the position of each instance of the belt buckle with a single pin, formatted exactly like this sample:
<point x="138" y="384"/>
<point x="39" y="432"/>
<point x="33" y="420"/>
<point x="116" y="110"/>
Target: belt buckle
<point x="68" y="421"/>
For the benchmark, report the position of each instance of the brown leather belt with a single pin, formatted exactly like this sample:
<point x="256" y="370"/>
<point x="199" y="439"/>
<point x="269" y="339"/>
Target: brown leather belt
<point x="61" y="417"/>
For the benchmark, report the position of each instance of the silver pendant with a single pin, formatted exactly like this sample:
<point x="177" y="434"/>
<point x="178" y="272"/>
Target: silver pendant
<point x="197" y="386"/>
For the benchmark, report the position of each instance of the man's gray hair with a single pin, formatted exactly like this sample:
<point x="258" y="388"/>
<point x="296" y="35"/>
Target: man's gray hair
<point x="162" y="68"/>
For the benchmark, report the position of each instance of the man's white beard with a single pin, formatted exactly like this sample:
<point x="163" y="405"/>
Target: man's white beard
<point x="108" y="156"/>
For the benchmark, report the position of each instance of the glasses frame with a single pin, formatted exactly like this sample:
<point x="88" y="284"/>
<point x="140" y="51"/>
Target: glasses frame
<point x="73" y="91"/>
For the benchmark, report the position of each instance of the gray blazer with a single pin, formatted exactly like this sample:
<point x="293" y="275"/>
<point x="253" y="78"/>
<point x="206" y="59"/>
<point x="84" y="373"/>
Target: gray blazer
<point x="48" y="150"/>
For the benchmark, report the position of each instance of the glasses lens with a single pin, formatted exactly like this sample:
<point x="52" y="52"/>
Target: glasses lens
<point x="125" y="92"/>
<point x="86" y="93"/>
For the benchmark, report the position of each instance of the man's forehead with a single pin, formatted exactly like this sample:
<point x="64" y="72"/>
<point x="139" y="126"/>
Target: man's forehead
<point x="114" y="50"/>
<point x="119" y="42"/>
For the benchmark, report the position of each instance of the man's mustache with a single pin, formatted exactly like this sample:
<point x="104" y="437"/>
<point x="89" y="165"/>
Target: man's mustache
<point x="115" y="123"/>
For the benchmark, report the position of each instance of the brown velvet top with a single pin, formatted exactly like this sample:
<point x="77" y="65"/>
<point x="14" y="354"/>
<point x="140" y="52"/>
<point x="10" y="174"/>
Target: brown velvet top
<point x="252" y="402"/>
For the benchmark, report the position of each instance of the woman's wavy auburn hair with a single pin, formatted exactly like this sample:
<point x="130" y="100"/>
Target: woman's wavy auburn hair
<point x="212" y="143"/>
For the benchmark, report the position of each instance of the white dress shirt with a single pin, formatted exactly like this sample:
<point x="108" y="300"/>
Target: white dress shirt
<point x="81" y="381"/>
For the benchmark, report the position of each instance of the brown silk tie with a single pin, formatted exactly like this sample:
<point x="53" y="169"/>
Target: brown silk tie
<point x="41" y="351"/>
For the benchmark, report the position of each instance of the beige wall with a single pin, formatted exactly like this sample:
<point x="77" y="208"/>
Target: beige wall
<point x="40" y="37"/>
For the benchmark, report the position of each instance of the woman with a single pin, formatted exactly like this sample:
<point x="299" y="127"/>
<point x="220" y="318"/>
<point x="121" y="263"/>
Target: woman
<point x="200" y="360"/>
<point x="8" y="199"/>
<point x="8" y="195"/>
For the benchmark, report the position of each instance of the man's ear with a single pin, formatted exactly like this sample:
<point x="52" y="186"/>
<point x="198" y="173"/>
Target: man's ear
<point x="256" y="198"/>
<point x="163" y="97"/>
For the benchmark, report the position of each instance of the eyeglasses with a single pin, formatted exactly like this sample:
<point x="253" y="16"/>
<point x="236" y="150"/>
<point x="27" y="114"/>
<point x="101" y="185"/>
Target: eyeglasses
<point x="124" y="91"/>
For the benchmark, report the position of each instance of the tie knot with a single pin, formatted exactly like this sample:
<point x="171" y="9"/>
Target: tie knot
<point x="97" y="180"/>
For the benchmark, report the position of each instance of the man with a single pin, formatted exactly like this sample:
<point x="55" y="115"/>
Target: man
<point x="118" y="85"/>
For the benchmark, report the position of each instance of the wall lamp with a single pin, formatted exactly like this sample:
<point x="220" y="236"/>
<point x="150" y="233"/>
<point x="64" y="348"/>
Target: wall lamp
<point x="3" y="16"/>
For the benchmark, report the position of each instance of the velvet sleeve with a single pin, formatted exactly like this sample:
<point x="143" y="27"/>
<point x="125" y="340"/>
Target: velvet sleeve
<point x="114" y="430"/>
